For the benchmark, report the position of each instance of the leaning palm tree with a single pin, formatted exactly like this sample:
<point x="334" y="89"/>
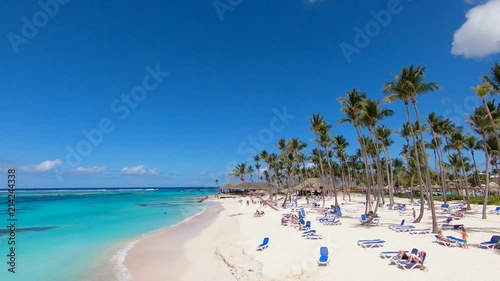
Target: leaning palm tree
<point x="240" y="170"/>
<point x="372" y="114"/>
<point x="352" y="106"/>
<point x="406" y="87"/>
<point x="481" y="92"/>
<point x="480" y="124"/>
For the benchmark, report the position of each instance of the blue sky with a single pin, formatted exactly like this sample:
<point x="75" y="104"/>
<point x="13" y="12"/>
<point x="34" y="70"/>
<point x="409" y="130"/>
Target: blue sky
<point x="230" y="69"/>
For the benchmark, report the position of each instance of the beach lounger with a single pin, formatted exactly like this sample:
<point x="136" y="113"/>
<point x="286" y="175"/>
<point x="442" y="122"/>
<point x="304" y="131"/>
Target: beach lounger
<point x="264" y="244"/>
<point x="451" y="243"/>
<point x="333" y="221"/>
<point x="323" y="256"/>
<point x="314" y="236"/>
<point x="374" y="222"/>
<point x="368" y="240"/>
<point x="460" y="242"/>
<point x="397" y="225"/>
<point x="405" y="228"/>
<point x="302" y="212"/>
<point x="307" y="226"/>
<point x="405" y="213"/>
<point x="394" y="259"/>
<point x="389" y="254"/>
<point x="373" y="244"/>
<point x="494" y="241"/>
<point x="496" y="211"/>
<point x="420" y="230"/>
<point x="363" y="219"/>
<point x="309" y="232"/>
<point x="404" y="265"/>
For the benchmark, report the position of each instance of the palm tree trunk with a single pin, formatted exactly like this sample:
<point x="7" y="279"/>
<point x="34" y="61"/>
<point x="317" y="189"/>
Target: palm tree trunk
<point x="428" y="173"/>
<point x="486" y="189"/>
<point x="367" y="168"/>
<point x="417" y="159"/>
<point x="466" y="186"/>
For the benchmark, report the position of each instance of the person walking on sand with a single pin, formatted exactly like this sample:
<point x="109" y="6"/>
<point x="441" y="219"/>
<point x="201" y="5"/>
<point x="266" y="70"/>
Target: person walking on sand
<point x="414" y="214"/>
<point x="464" y="237"/>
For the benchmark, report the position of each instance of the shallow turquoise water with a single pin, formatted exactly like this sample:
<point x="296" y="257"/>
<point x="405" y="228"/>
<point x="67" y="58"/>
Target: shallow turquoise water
<point x="61" y="234"/>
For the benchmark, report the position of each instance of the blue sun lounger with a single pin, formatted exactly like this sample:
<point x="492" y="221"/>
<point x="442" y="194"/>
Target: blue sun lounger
<point x="323" y="258"/>
<point x="389" y="254"/>
<point x="397" y="225"/>
<point x="302" y="212"/>
<point x="307" y="226"/>
<point x="404" y="265"/>
<point x="494" y="241"/>
<point x="264" y="244"/>
<point x="373" y="244"/>
<point x="309" y="232"/>
<point x="420" y="231"/>
<point x="368" y="240"/>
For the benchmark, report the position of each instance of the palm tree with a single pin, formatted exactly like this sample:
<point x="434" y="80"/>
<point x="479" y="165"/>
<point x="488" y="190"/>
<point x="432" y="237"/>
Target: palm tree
<point x="437" y="125"/>
<point x="406" y="87"/>
<point x="457" y="142"/>
<point x="481" y="92"/>
<point x="472" y="144"/>
<point x="256" y="158"/>
<point x="372" y="114"/>
<point x="480" y="124"/>
<point x="340" y="143"/>
<point x="319" y="127"/>
<point x="352" y="106"/>
<point x="240" y="170"/>
<point x="494" y="80"/>
<point x="383" y="134"/>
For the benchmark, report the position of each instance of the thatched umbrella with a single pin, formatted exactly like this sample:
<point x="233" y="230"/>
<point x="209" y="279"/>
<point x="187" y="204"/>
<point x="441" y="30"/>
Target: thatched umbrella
<point x="310" y="184"/>
<point x="494" y="187"/>
<point x="244" y="186"/>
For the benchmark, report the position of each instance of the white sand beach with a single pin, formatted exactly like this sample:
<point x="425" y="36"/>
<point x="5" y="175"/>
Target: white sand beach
<point x="221" y="245"/>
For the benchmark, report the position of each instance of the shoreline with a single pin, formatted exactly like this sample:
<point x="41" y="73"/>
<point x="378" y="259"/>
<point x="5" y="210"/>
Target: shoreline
<point x="111" y="264"/>
<point x="141" y="258"/>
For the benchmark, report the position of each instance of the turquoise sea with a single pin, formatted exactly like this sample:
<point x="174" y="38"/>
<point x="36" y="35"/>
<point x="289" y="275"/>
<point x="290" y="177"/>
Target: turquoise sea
<point x="72" y="234"/>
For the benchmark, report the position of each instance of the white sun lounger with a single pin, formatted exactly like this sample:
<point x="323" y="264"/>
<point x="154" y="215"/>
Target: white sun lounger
<point x="420" y="231"/>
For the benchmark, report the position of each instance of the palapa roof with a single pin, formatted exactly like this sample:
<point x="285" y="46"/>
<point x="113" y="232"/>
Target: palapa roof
<point x="310" y="184"/>
<point x="246" y="185"/>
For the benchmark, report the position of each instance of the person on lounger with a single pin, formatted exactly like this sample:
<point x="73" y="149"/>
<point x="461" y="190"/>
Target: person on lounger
<point x="416" y="258"/>
<point x="440" y="236"/>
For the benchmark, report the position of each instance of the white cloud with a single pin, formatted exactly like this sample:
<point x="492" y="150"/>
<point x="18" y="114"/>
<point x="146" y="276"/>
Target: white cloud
<point x="45" y="166"/>
<point x="139" y="170"/>
<point x="90" y="170"/>
<point x="479" y="36"/>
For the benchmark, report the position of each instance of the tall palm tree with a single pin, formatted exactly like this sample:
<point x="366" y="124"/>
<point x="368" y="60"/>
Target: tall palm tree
<point x="240" y="170"/>
<point x="372" y="114"/>
<point x="471" y="144"/>
<point x="383" y="134"/>
<point x="256" y="158"/>
<point x="436" y="126"/>
<point x="340" y="143"/>
<point x="406" y="87"/>
<point x="352" y="106"/>
<point x="457" y="142"/>
<point x="481" y="92"/>
<point x="319" y="127"/>
<point x="480" y="124"/>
